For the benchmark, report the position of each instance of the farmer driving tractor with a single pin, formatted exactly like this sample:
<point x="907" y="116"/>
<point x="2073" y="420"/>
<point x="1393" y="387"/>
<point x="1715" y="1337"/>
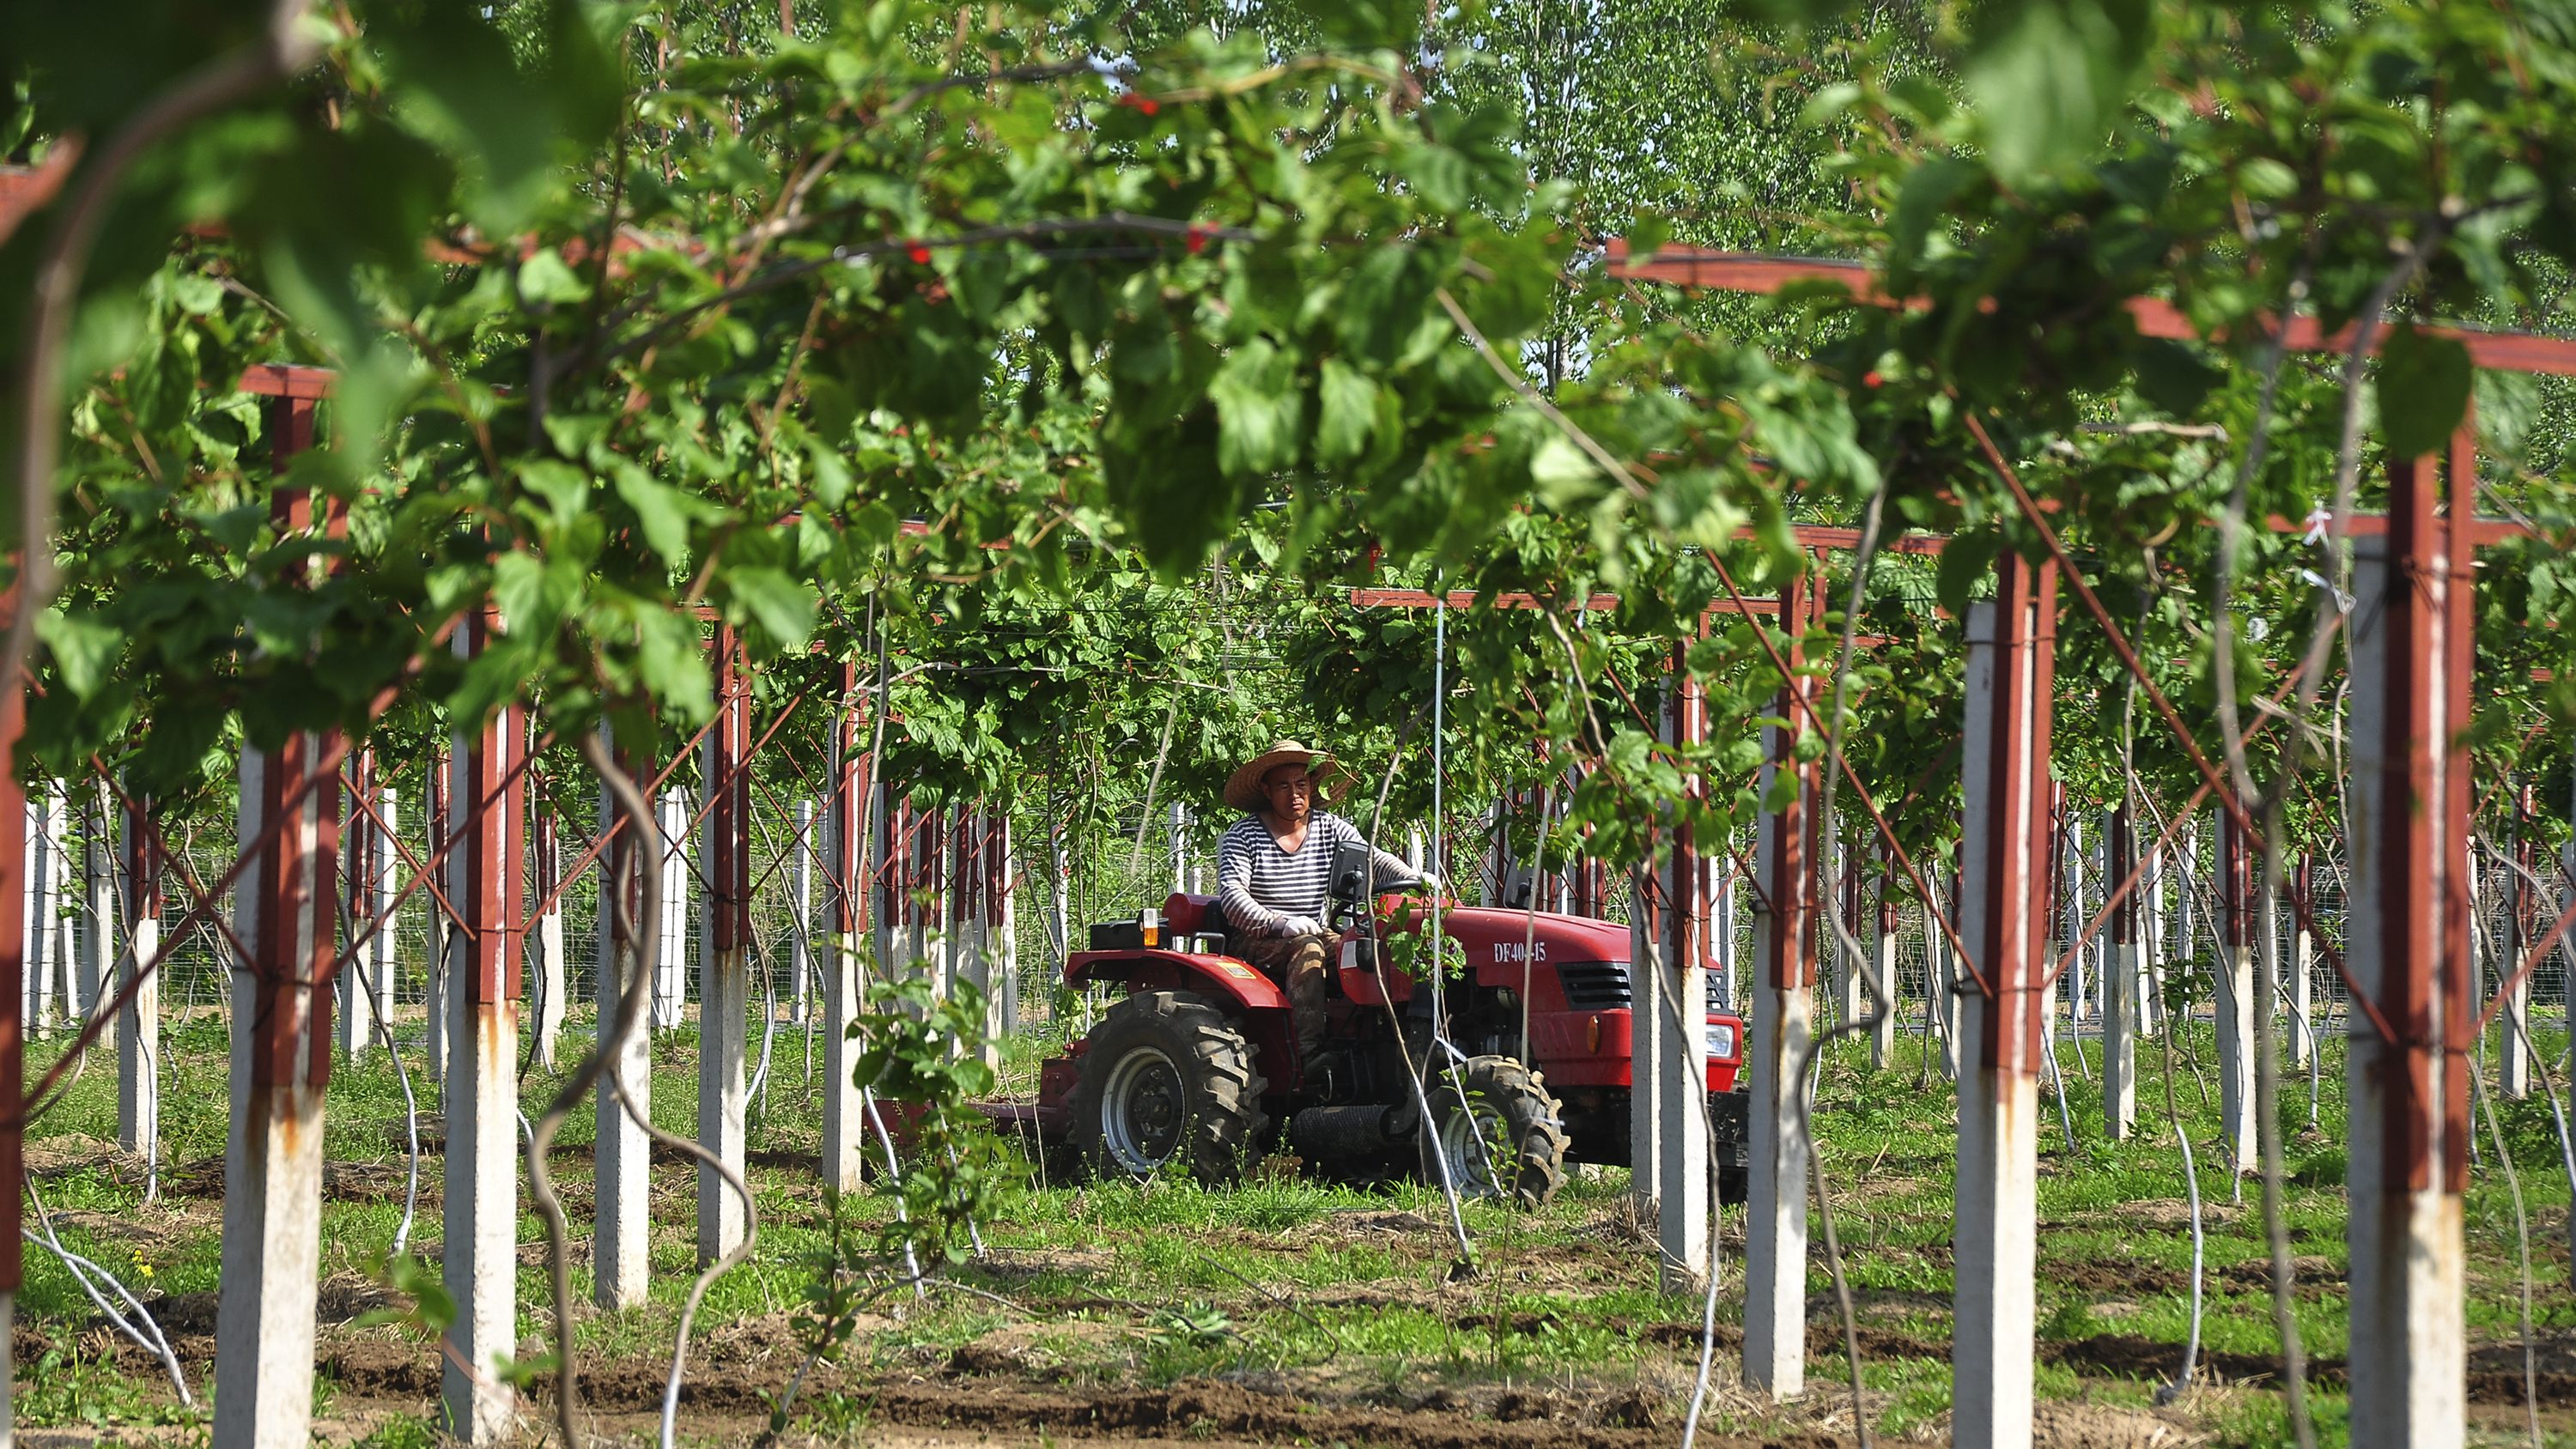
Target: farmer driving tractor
<point x="1274" y="877"/>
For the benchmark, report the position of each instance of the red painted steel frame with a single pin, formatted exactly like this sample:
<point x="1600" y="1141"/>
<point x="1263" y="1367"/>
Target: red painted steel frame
<point x="2410" y="885"/>
<point x="1790" y="945"/>
<point x="2016" y="1014"/>
<point x="293" y="967"/>
<point x="729" y="822"/>
<point x="490" y="851"/>
<point x="1745" y="272"/>
<point x="13" y="977"/>
<point x="847" y="869"/>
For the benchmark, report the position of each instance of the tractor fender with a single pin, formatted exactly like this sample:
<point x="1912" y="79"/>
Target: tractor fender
<point x="1223" y="979"/>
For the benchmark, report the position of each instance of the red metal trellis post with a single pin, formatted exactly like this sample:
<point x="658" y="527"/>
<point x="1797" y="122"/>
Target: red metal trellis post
<point x="486" y="882"/>
<point x="724" y="979"/>
<point x="844" y="1129"/>
<point x="13" y="997"/>
<point x="2003" y="898"/>
<point x="2405" y="947"/>
<point x="1783" y="982"/>
<point x="286" y="911"/>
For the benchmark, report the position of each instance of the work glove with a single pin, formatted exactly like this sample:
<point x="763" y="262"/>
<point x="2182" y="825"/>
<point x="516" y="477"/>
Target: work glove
<point x="1300" y="926"/>
<point x="1428" y="884"/>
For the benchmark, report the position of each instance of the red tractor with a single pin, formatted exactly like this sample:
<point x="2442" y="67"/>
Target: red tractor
<point x="1197" y="1064"/>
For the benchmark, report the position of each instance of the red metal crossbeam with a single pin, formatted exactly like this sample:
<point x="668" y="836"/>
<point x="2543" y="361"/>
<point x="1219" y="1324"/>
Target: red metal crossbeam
<point x="278" y="379"/>
<point x="2155" y="317"/>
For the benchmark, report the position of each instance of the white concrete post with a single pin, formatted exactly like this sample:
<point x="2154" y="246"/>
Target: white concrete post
<point x="2514" y="1026"/>
<point x="988" y="871"/>
<point x="965" y="857"/>
<point x="1950" y="972"/>
<point x="2079" y="913"/>
<point x="2121" y="1004"/>
<point x="1882" y="972"/>
<point x="1646" y="1046"/>
<point x="857" y="841"/>
<point x="1060" y="853"/>
<point x="2235" y="997"/>
<point x="98" y="880"/>
<point x="1008" y="917"/>
<point x="888" y="885"/>
<point x="1677" y="963"/>
<point x="31" y="906"/>
<point x="352" y="1028"/>
<point x="621" y="1242"/>
<point x="679" y="888"/>
<point x="724" y="959"/>
<point x="800" y="906"/>
<point x="2003" y="921"/>
<point x="554" y="967"/>
<point x="441" y="930"/>
<point x="487" y="883"/>
<point x="138" y="1026"/>
<point x="1851" y="999"/>
<point x="62" y="948"/>
<point x="1785" y="856"/>
<point x="2303" y="948"/>
<point x="381" y="965"/>
<point x="2151" y="938"/>
<point x="44" y="915"/>
<point x="272" y="1229"/>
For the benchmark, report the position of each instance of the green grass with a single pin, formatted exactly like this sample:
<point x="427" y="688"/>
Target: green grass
<point x="1152" y="1260"/>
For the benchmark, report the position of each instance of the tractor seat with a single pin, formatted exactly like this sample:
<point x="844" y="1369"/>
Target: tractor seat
<point x="1192" y="915"/>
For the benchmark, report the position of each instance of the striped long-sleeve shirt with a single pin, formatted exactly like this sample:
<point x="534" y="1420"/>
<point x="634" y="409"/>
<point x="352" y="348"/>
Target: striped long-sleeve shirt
<point x="1259" y="885"/>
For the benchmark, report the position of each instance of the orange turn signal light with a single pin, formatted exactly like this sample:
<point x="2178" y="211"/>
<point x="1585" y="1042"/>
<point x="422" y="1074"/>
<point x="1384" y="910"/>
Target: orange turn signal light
<point x="1592" y="1038"/>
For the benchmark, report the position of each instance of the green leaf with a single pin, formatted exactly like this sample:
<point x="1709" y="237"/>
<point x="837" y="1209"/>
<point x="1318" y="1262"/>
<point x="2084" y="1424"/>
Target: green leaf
<point x="1259" y="409"/>
<point x="1364" y="24"/>
<point x="565" y="488"/>
<point x="1347" y="404"/>
<point x="1965" y="561"/>
<point x="1927" y="192"/>
<point x="2172" y="376"/>
<point x="1647" y="235"/>
<point x="85" y="648"/>
<point x="2423" y="389"/>
<point x="661" y="510"/>
<point x="544" y="278"/>
<point x="2051" y="77"/>
<point x="784" y="608"/>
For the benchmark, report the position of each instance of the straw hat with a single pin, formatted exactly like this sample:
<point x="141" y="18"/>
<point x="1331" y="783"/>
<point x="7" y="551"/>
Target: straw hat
<point x="1243" y="787"/>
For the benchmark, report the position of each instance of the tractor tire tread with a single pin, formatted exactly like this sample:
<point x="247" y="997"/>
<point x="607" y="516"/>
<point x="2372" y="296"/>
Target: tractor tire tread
<point x="1227" y="1127"/>
<point x="1520" y="1095"/>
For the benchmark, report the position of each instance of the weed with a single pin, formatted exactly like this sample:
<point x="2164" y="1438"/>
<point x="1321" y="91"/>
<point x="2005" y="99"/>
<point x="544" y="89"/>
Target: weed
<point x="837" y="1415"/>
<point x="402" y="1431"/>
<point x="66" y="1387"/>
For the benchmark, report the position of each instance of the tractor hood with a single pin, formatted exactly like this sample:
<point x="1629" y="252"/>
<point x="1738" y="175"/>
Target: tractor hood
<point x="1495" y="938"/>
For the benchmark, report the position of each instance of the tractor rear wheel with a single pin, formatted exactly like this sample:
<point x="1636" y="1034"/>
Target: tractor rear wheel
<point x="1508" y="1138"/>
<point x="1167" y="1079"/>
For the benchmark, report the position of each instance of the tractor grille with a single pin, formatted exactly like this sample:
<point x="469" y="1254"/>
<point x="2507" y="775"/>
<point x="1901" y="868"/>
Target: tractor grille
<point x="1594" y="985"/>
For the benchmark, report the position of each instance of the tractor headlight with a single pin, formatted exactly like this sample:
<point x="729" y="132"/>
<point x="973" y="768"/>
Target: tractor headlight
<point x="1721" y="1040"/>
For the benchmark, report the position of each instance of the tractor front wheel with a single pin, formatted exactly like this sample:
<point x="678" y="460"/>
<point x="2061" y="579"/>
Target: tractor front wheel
<point x="1167" y="1079"/>
<point x="1500" y="1131"/>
